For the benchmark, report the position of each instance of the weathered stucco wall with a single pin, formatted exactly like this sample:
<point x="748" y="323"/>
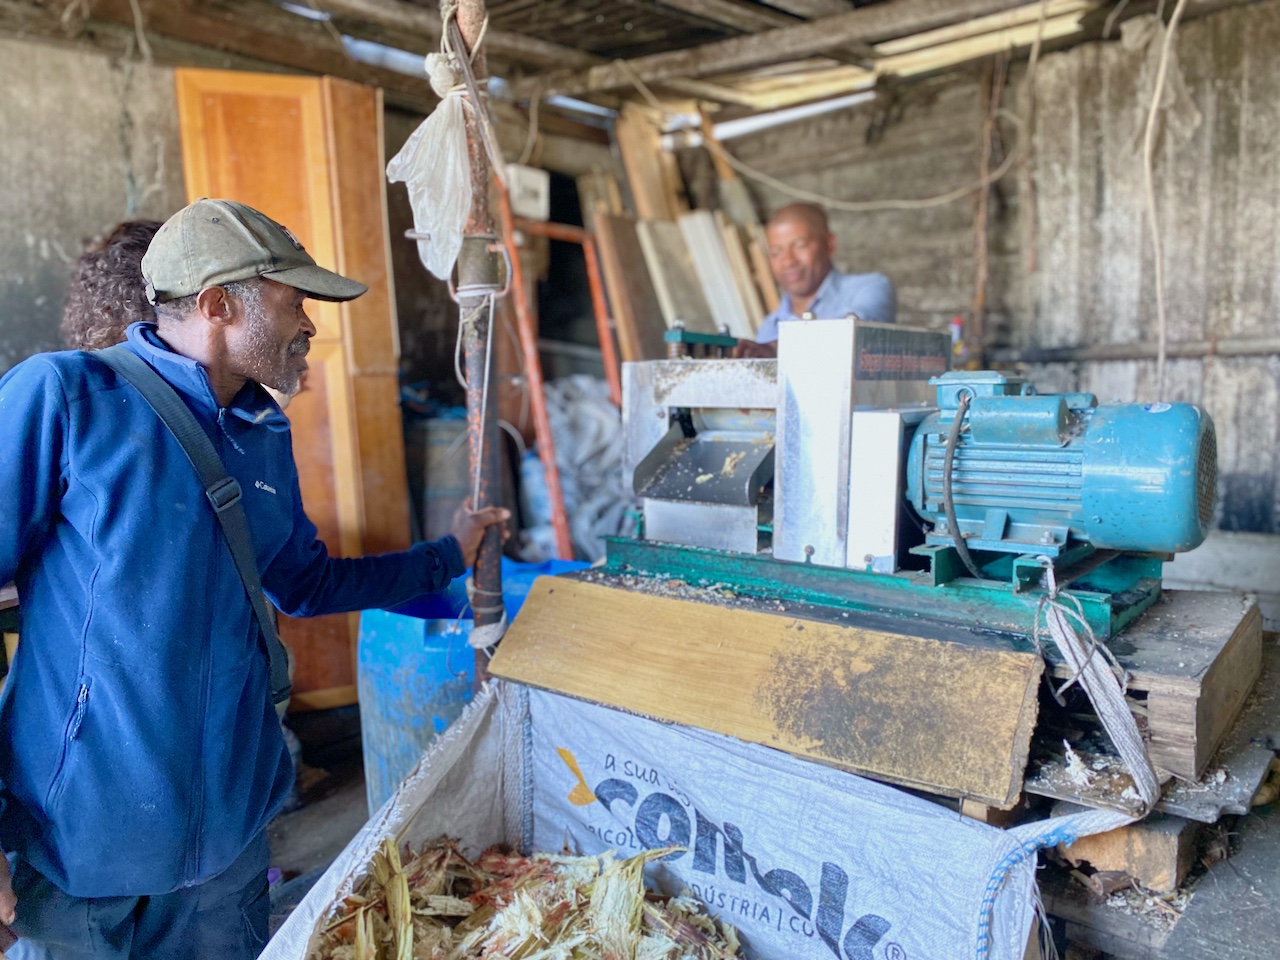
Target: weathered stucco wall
<point x="1218" y="190"/>
<point x="922" y="141"/>
<point x="64" y="134"/>
<point x="1218" y="196"/>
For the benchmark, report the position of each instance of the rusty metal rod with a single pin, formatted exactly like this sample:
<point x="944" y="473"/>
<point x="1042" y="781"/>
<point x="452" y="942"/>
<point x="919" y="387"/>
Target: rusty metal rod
<point x="477" y="269"/>
<point x="552" y="231"/>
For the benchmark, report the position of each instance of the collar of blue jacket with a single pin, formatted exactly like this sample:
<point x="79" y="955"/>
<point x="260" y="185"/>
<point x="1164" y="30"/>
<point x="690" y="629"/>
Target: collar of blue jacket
<point x="141" y="752"/>
<point x="189" y="377"/>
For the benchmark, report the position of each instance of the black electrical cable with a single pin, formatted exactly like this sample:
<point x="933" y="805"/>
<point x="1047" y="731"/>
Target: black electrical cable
<point x="948" y="501"/>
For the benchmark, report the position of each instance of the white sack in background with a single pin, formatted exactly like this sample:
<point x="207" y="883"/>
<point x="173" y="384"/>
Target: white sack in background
<point x="587" y="429"/>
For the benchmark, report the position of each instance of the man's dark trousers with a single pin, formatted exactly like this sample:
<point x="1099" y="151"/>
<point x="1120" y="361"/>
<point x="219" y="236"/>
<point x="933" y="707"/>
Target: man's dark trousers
<point x="224" y="918"/>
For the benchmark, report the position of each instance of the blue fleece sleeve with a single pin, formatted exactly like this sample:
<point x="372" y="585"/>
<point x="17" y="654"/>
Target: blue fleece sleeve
<point x="304" y="581"/>
<point x="33" y="428"/>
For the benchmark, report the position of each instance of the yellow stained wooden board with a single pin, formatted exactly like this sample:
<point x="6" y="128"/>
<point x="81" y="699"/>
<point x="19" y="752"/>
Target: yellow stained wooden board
<point x="946" y="717"/>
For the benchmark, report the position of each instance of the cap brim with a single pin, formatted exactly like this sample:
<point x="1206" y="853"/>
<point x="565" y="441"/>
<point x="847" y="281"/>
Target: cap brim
<point x="317" y="282"/>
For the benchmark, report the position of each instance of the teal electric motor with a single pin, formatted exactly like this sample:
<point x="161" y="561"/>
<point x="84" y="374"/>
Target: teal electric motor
<point x="1037" y="474"/>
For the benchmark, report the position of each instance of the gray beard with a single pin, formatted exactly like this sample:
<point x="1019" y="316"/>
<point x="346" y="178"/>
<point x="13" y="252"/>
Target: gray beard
<point x="270" y="366"/>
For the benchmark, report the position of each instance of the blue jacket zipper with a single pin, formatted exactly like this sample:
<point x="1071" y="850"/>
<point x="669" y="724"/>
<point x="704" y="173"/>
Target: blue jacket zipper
<point x="82" y="704"/>
<point x="59" y="781"/>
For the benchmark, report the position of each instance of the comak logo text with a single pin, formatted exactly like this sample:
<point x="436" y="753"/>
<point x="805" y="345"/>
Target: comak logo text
<point x="668" y="819"/>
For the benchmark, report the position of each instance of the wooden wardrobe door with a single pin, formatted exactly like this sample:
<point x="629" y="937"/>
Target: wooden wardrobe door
<point x="307" y="151"/>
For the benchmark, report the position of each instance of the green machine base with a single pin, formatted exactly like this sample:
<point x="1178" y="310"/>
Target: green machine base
<point x="1112" y="589"/>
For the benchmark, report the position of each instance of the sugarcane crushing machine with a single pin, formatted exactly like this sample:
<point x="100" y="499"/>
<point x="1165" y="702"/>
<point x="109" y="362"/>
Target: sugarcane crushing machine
<point x="857" y="451"/>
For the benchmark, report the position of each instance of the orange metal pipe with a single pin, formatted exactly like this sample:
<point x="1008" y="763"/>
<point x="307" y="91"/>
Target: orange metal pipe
<point x="554" y="231"/>
<point x="533" y="378"/>
<point x="604" y="324"/>
<point x="608" y="352"/>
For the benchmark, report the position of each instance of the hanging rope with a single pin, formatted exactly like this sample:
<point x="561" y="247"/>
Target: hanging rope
<point x="1148" y="180"/>
<point x="863" y="206"/>
<point x="531" y="139"/>
<point x="1020" y="147"/>
<point x="453" y="46"/>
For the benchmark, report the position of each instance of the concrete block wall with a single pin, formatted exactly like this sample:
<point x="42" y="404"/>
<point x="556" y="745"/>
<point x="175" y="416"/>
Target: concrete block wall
<point x="87" y="142"/>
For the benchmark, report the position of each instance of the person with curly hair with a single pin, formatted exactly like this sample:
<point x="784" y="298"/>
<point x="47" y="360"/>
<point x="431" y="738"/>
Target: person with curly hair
<point x="107" y="292"/>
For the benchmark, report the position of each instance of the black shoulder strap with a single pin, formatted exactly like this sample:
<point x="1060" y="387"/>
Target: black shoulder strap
<point x="221" y="488"/>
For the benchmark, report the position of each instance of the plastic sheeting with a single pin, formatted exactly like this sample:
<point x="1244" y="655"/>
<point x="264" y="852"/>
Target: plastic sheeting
<point x="587" y="429"/>
<point x="433" y="164"/>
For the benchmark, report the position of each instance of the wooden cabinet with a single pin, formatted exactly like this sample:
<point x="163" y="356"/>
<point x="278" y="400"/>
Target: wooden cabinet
<point x="307" y="152"/>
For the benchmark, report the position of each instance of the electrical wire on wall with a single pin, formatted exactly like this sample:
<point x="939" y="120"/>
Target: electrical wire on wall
<point x="1148" y="178"/>
<point x="1021" y="123"/>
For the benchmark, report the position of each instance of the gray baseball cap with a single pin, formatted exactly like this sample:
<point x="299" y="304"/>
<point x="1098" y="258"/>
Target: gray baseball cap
<point x="210" y="242"/>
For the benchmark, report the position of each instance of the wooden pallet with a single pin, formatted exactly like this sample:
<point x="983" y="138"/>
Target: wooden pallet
<point x="1196" y="656"/>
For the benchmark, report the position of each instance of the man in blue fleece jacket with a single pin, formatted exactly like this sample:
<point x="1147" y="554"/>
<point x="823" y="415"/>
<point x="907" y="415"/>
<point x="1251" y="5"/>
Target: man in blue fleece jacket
<point x="142" y="756"/>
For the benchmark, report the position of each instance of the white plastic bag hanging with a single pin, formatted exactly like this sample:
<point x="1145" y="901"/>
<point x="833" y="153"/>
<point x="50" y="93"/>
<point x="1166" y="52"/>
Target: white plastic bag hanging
<point x="433" y="163"/>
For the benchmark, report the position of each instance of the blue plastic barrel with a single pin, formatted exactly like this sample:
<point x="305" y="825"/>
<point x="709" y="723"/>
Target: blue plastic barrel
<point x="415" y="672"/>
<point x="414" y="677"/>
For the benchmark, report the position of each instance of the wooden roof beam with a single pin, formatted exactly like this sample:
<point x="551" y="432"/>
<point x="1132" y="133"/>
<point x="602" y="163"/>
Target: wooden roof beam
<point x="752" y="18"/>
<point x="311" y="51"/>
<point x="401" y="15"/>
<point x="811" y="9"/>
<point x="872" y="24"/>
<point x="502" y="44"/>
<point x="738" y="14"/>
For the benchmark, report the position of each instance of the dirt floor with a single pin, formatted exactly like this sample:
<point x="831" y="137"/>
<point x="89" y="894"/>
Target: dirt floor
<point x="305" y="840"/>
<point x="312" y="835"/>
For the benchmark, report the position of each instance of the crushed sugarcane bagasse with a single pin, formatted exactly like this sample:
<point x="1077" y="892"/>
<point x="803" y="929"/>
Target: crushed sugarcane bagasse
<point x="438" y="905"/>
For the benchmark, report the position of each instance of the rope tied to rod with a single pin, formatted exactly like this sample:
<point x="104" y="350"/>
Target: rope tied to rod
<point x="485" y="637"/>
<point x="451" y="73"/>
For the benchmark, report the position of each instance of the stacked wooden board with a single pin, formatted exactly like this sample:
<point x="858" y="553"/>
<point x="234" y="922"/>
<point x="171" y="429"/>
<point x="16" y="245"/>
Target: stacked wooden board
<point x="679" y="290"/>
<point x="637" y="311"/>
<point x="723" y="271"/>
<point x="706" y="271"/>
<point x="1191" y="881"/>
<point x="696" y="273"/>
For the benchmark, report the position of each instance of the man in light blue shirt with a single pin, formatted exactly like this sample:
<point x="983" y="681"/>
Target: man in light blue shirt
<point x="800" y="249"/>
